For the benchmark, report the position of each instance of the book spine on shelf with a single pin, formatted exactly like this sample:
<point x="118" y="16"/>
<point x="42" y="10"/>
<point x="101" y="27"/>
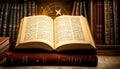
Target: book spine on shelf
<point x="14" y="23"/>
<point x="25" y="8"/>
<point x="107" y="21"/>
<point x="74" y="7"/>
<point x="85" y="9"/>
<point x="101" y="19"/>
<point x="17" y="20"/>
<point x="50" y="59"/>
<point x="33" y="8"/>
<point x="6" y="16"/>
<point x="118" y="12"/>
<point x="111" y="19"/>
<point x="29" y="7"/>
<point x="2" y="8"/>
<point x="77" y="8"/>
<point x="94" y="19"/>
<point x="115" y="21"/>
<point x="99" y="22"/>
<point x="21" y="10"/>
<point x="11" y="19"/>
<point x="91" y="16"/>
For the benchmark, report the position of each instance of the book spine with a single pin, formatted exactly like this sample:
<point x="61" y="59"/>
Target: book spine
<point x="3" y="44"/>
<point x="118" y="14"/>
<point x="25" y="8"/>
<point x="99" y="22"/>
<point x="115" y="21"/>
<point x="77" y="8"/>
<point x="2" y="7"/>
<point x="85" y="9"/>
<point x="94" y="19"/>
<point x="36" y="8"/>
<point x="111" y="18"/>
<point x="33" y="8"/>
<point x="5" y="48"/>
<point x="81" y="8"/>
<point x="13" y="34"/>
<point x="29" y="7"/>
<point x="107" y="21"/>
<point x="6" y="16"/>
<point x="50" y="59"/>
<point x="91" y="17"/>
<point x="74" y="7"/>
<point x="11" y="20"/>
<point x="21" y="10"/>
<point x="17" y="20"/>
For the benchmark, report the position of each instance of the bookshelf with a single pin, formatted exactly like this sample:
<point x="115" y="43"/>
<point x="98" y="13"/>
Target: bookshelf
<point x="103" y="17"/>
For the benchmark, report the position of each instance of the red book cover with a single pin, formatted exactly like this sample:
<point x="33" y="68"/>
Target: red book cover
<point x="4" y="44"/>
<point x="99" y="22"/>
<point x="3" y="55"/>
<point x="50" y="59"/>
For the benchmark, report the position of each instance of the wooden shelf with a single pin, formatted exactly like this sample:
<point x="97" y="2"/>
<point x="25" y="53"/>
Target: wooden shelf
<point x="108" y="47"/>
<point x="109" y="50"/>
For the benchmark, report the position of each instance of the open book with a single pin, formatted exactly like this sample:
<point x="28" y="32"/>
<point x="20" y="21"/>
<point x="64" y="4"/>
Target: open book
<point x="62" y="33"/>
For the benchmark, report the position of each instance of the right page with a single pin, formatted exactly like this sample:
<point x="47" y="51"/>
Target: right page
<point x="72" y="32"/>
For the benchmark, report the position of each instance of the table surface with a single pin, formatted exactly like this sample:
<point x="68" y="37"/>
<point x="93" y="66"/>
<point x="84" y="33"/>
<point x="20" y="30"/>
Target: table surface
<point x="104" y="62"/>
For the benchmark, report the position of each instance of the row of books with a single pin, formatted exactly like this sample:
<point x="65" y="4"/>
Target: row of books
<point x="80" y="7"/>
<point x="11" y="12"/>
<point x="104" y="21"/>
<point x="103" y="16"/>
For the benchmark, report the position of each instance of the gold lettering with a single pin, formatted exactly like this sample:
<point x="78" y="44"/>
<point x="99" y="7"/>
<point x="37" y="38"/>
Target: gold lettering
<point x="58" y="59"/>
<point x="23" y="59"/>
<point x="72" y="60"/>
<point x="69" y="60"/>
<point x="11" y="60"/>
<point x="63" y="59"/>
<point x="44" y="60"/>
<point x="80" y="61"/>
<point x="26" y="59"/>
<point x="75" y="60"/>
<point x="37" y="61"/>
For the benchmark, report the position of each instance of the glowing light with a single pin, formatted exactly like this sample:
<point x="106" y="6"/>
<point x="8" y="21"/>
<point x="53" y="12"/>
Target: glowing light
<point x="58" y="12"/>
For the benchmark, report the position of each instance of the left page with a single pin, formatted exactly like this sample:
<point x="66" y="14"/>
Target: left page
<point x="36" y="32"/>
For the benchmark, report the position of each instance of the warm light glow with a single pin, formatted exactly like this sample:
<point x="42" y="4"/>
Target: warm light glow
<point x="58" y="12"/>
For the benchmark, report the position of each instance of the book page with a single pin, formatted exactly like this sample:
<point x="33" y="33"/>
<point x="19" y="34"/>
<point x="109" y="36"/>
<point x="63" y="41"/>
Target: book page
<point x="37" y="28"/>
<point x="69" y="29"/>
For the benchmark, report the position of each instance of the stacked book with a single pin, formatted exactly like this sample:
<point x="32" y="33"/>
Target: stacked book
<point x="4" y="46"/>
<point x="51" y="59"/>
<point x="64" y="41"/>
